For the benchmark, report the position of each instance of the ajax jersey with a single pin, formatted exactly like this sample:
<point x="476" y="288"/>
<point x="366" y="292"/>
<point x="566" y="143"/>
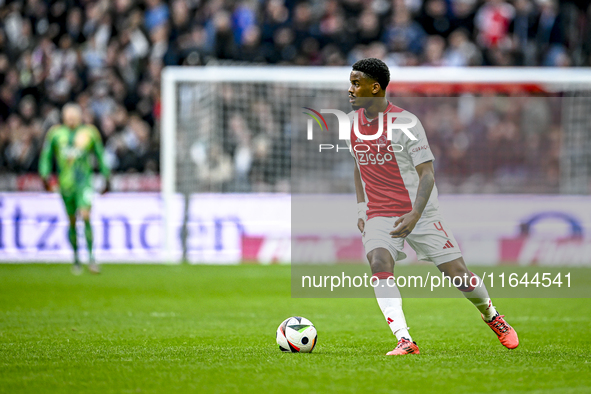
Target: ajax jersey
<point x="387" y="168"/>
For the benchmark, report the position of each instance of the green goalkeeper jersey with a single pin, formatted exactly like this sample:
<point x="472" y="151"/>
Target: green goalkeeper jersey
<point x="72" y="150"/>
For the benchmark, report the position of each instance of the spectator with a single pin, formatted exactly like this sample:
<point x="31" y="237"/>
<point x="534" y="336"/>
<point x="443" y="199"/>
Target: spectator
<point x="333" y="28"/>
<point x="250" y="48"/>
<point x="404" y="34"/>
<point x="461" y="51"/>
<point x="242" y="152"/>
<point x="435" y="19"/>
<point x="21" y="153"/>
<point x="214" y="167"/>
<point x="493" y="20"/>
<point x="523" y="27"/>
<point x="262" y="173"/>
<point x="462" y="12"/>
<point x="243" y="18"/>
<point x="156" y="14"/>
<point x="27" y="110"/>
<point x="221" y="36"/>
<point x="550" y="34"/>
<point x="101" y="103"/>
<point x="276" y="16"/>
<point x="370" y="29"/>
<point x="74" y="25"/>
<point x="434" y="51"/>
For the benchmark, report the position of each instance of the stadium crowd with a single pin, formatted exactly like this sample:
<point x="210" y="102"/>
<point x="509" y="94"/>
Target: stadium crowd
<point x="108" y="55"/>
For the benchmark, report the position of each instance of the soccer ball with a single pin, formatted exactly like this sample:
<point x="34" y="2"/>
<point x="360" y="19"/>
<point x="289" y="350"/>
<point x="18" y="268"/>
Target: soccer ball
<point x="296" y="335"/>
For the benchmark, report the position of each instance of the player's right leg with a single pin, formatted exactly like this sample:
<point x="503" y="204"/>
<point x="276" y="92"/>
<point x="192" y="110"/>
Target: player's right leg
<point x="390" y="301"/>
<point x="92" y="265"/>
<point x="70" y="205"/>
<point x="73" y="237"/>
<point x="380" y="248"/>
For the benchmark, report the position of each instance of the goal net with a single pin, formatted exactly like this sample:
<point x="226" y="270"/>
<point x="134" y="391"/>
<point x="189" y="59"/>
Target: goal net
<point x="241" y="129"/>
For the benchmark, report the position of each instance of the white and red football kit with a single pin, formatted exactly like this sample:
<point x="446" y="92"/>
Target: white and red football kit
<point x="390" y="181"/>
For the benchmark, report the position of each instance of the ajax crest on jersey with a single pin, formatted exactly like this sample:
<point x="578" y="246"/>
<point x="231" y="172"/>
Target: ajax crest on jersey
<point x="296" y="335"/>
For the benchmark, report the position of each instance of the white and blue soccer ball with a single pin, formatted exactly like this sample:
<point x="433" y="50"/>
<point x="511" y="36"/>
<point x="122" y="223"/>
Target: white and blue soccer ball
<point x="296" y="335"/>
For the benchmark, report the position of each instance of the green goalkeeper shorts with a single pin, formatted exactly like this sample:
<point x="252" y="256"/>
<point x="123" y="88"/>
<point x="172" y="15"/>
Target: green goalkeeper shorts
<point x="79" y="198"/>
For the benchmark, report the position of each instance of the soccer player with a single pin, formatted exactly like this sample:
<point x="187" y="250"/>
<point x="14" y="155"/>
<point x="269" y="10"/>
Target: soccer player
<point x="397" y="201"/>
<point x="72" y="144"/>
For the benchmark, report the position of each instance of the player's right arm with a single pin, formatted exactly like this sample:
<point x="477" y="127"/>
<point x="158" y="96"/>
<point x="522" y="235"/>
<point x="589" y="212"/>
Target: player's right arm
<point x="361" y="204"/>
<point x="45" y="158"/>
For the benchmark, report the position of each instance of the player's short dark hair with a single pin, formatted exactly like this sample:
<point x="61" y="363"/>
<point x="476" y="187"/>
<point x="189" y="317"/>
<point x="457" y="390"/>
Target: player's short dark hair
<point x="375" y="69"/>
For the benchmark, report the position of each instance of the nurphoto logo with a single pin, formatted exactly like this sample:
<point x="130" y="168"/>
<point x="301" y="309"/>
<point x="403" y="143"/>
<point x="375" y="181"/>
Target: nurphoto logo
<point x="394" y="121"/>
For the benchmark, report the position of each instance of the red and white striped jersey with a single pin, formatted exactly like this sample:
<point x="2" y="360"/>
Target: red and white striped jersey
<point x="387" y="168"/>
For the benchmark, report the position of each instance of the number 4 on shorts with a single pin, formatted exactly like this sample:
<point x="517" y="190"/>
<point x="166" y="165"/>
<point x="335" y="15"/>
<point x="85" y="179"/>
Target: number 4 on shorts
<point x="440" y="228"/>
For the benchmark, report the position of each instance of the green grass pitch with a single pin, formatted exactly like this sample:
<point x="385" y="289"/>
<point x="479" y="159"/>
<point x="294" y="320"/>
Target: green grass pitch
<point x="211" y="329"/>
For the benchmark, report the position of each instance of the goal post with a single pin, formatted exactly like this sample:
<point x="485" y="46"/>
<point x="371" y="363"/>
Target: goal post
<point x="195" y="102"/>
<point x="167" y="157"/>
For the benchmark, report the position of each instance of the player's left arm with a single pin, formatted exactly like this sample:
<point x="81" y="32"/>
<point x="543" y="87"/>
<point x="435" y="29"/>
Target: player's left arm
<point x="407" y="222"/>
<point x="99" y="152"/>
<point x="421" y="156"/>
<point x="426" y="181"/>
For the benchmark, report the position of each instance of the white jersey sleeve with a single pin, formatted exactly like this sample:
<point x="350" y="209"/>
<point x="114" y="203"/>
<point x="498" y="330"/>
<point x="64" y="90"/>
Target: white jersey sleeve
<point x="419" y="150"/>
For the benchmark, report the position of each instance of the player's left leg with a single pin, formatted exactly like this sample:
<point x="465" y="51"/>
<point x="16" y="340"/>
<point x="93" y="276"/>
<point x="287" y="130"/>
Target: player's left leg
<point x="478" y="295"/>
<point x="433" y="241"/>
<point x="476" y="292"/>
<point x="92" y="265"/>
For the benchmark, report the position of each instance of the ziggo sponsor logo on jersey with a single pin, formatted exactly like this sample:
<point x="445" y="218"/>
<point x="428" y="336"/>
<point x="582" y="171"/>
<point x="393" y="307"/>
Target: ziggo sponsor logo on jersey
<point x="365" y="157"/>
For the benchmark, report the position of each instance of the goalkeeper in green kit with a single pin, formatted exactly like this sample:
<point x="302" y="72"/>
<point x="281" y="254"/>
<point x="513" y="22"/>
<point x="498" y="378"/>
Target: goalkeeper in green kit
<point x="72" y="144"/>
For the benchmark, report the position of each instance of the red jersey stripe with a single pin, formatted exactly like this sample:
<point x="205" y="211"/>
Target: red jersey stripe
<point x="384" y="186"/>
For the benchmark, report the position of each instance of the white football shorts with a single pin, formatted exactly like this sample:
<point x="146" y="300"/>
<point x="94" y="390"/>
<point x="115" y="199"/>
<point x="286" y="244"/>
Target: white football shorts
<point x="431" y="239"/>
